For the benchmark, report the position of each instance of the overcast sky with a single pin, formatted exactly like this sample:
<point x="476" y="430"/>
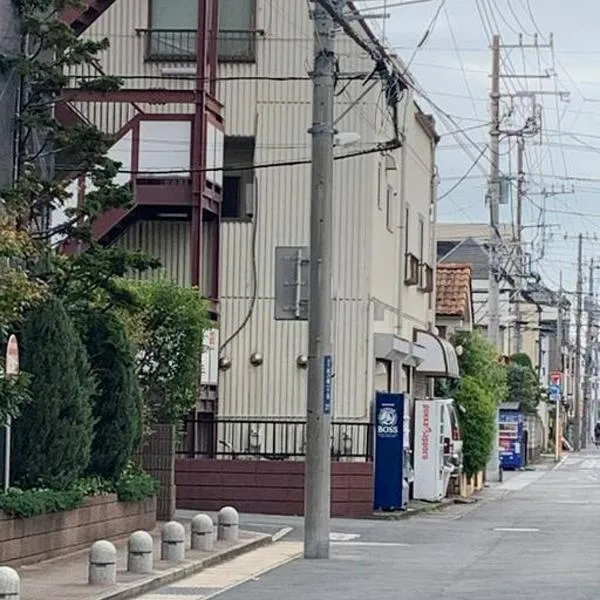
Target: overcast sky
<point x="453" y="66"/>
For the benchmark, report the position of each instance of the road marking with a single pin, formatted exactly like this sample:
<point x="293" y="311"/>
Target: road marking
<point x="343" y="537"/>
<point x="281" y="533"/>
<point x="372" y="544"/>
<point x="213" y="581"/>
<point x="573" y="502"/>
<point x="516" y="529"/>
<point x="561" y="463"/>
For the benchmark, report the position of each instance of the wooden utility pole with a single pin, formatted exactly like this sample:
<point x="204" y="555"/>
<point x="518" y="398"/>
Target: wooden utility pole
<point x="577" y="374"/>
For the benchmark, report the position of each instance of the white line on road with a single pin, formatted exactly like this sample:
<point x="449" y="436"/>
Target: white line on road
<point x="573" y="502"/>
<point x="382" y="544"/>
<point x="281" y="533"/>
<point x="516" y="529"/>
<point x="343" y="537"/>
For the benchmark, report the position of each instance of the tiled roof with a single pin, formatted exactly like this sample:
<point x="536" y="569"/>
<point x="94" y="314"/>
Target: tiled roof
<point x="453" y="287"/>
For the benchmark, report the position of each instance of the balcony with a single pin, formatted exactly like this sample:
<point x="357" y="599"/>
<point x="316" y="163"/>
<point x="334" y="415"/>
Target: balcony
<point x="179" y="45"/>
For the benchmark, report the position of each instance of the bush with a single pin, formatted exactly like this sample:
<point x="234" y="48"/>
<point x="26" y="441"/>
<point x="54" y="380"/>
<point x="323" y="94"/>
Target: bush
<point x="477" y="422"/>
<point x="34" y="502"/>
<point x="117" y="403"/>
<point x="168" y="330"/>
<point x="53" y="435"/>
<point x="523" y="387"/>
<point x="135" y="485"/>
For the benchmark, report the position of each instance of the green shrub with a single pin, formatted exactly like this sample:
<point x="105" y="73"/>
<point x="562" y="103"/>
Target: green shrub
<point x="135" y="485"/>
<point x="477" y="422"/>
<point x="52" y="436"/>
<point x="34" y="502"/>
<point x="117" y="403"/>
<point x="523" y="387"/>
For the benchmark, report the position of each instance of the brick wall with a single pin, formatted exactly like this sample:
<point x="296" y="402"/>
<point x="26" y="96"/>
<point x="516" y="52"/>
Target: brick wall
<point x="26" y="541"/>
<point x="267" y="487"/>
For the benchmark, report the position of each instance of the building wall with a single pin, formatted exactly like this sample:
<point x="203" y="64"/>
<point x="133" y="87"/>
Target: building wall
<point x="9" y="46"/>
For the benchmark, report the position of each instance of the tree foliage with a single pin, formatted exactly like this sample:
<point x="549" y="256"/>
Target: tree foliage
<point x="168" y="331"/>
<point x="117" y="402"/>
<point x="52" y="437"/>
<point x="477" y="423"/>
<point x="523" y="387"/>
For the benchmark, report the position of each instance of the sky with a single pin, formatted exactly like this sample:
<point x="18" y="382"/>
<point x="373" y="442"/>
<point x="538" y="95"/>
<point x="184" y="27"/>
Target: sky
<point x="453" y="67"/>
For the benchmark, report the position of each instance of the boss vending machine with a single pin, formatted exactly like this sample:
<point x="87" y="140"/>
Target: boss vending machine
<point x="432" y="472"/>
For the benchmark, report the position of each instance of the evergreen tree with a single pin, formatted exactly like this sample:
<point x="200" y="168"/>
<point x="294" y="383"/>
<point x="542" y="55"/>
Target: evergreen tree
<point x="53" y="435"/>
<point x="117" y="403"/>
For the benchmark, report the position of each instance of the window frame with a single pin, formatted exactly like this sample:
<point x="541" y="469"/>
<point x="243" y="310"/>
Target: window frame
<point x="244" y="216"/>
<point x="152" y="56"/>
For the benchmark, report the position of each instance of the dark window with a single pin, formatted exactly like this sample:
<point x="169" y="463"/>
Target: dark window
<point x="173" y="25"/>
<point x="238" y="180"/>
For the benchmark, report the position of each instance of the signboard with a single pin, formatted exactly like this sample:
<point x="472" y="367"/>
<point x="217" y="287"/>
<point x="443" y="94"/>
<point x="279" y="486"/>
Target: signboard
<point x="210" y="358"/>
<point x="12" y="356"/>
<point x="555" y="378"/>
<point x="327" y="383"/>
<point x="555" y="386"/>
<point x="389" y="448"/>
<point x="11" y="369"/>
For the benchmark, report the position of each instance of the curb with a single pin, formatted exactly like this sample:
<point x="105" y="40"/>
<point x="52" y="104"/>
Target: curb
<point x="412" y="512"/>
<point x="133" y="590"/>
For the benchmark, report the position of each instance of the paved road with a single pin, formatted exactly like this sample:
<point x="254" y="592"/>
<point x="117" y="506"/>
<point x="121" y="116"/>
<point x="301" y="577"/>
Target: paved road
<point x="537" y="536"/>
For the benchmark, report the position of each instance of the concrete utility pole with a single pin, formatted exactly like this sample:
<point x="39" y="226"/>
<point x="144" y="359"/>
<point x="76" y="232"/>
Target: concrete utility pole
<point x="492" y="472"/>
<point x="320" y="346"/>
<point x="577" y="374"/>
<point x="519" y="234"/>
<point x="587" y="378"/>
<point x="561" y="368"/>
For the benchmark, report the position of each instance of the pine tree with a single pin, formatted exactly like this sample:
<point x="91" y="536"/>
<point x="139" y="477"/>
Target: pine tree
<point x="52" y="437"/>
<point x="117" y="403"/>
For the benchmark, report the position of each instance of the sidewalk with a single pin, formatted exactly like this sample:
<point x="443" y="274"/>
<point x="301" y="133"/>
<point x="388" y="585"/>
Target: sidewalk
<point x="65" y="578"/>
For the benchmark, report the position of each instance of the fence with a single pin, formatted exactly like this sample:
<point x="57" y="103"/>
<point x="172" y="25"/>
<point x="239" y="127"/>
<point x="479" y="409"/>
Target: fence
<point x="268" y="439"/>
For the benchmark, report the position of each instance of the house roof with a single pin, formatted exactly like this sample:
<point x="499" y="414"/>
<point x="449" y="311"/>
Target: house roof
<point x="81" y="17"/>
<point x="453" y="286"/>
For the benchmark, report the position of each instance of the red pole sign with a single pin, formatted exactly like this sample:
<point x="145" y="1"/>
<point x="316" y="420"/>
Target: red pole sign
<point x="12" y="356"/>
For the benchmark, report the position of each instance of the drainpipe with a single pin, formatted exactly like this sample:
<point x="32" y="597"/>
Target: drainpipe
<point x="403" y="224"/>
<point x="432" y="246"/>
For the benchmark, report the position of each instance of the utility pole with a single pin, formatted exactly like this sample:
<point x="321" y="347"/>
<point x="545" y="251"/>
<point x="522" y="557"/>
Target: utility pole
<point x="493" y="467"/>
<point x="561" y="368"/>
<point x="519" y="232"/>
<point x="577" y="374"/>
<point x="587" y="377"/>
<point x="320" y="347"/>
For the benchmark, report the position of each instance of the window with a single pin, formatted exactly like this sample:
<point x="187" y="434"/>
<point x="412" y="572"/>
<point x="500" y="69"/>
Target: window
<point x="389" y="209"/>
<point x="406" y="229"/>
<point x="172" y="33"/>
<point x="421" y="240"/>
<point x="238" y="186"/>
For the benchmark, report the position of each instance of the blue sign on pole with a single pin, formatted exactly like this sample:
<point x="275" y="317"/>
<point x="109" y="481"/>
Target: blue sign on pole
<point x="327" y="383"/>
<point x="389" y="448"/>
<point x="555" y="390"/>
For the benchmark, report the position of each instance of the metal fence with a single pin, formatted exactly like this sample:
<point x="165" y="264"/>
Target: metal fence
<point x="180" y="44"/>
<point x="268" y="439"/>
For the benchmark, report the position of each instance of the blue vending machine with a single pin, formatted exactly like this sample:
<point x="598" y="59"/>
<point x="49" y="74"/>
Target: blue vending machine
<point x="391" y="453"/>
<point x="511" y="439"/>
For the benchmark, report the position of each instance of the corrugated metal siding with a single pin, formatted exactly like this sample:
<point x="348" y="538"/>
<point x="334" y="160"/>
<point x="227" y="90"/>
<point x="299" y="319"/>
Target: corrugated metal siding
<point x="277" y="388"/>
<point x="166" y="240"/>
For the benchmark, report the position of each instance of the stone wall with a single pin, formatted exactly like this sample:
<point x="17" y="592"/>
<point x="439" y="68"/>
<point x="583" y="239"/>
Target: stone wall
<point x="26" y="541"/>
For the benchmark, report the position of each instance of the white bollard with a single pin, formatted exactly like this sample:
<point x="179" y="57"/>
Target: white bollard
<point x="140" y="549"/>
<point x="103" y="564"/>
<point x="229" y="524"/>
<point x="10" y="584"/>
<point x="173" y="542"/>
<point x="203" y="532"/>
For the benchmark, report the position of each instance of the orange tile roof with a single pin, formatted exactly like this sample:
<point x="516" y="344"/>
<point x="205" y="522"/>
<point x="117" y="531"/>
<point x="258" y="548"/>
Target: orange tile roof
<point x="453" y="289"/>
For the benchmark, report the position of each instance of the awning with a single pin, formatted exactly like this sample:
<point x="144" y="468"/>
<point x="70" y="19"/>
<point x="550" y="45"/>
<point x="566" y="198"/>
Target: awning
<point x="440" y="359"/>
<point x="392" y="347"/>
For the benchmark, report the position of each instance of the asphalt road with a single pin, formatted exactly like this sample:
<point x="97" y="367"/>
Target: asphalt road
<point x="536" y="536"/>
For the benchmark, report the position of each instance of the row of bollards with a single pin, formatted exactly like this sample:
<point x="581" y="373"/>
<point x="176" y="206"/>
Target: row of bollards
<point x="140" y="547"/>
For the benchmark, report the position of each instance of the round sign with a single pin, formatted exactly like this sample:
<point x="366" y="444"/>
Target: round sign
<point x="12" y="356"/>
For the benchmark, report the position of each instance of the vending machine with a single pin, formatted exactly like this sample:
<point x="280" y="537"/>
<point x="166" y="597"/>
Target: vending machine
<point x="511" y="439"/>
<point x="392" y="450"/>
<point x="433" y="437"/>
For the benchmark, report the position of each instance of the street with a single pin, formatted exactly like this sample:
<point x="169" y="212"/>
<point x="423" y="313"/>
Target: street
<point x="534" y="536"/>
